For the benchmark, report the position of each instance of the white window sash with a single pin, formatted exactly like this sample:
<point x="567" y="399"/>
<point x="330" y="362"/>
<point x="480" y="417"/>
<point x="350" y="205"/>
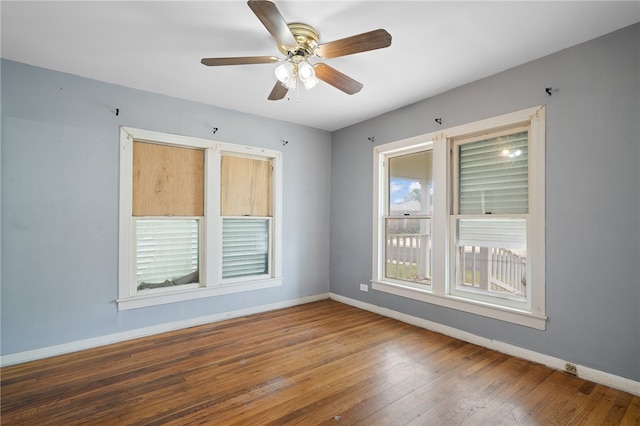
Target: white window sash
<point x="515" y="240"/>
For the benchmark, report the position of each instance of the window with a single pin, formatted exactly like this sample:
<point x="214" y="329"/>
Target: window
<point x="246" y="217"/>
<point x="480" y="218"/>
<point x="197" y="218"/>
<point x="167" y="211"/>
<point x="489" y="224"/>
<point x="407" y="248"/>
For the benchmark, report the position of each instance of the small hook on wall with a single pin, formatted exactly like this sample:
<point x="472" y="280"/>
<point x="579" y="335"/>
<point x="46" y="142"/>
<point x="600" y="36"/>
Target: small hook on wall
<point x="117" y="111"/>
<point x="548" y="90"/>
<point x="372" y="139"/>
<point x="284" y="142"/>
<point x="439" y="120"/>
<point x="214" y="130"/>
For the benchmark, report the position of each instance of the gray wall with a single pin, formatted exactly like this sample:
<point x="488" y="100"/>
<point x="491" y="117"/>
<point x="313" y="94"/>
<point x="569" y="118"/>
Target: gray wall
<point x="60" y="145"/>
<point x="592" y="199"/>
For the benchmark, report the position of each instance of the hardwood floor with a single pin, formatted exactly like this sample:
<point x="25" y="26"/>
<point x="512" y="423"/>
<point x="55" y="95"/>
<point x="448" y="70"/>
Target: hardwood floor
<point x="324" y="363"/>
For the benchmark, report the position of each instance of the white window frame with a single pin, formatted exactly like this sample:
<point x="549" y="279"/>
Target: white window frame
<point x="440" y="293"/>
<point x="211" y="283"/>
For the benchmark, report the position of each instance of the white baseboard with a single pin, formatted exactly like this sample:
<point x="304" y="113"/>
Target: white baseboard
<point x="586" y="373"/>
<point x="34" y="354"/>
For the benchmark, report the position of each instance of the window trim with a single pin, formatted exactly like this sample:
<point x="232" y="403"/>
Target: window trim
<point x="440" y="293"/>
<point x="211" y="244"/>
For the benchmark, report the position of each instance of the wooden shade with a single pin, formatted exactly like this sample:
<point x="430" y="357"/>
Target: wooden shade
<point x="245" y="186"/>
<point x="167" y="180"/>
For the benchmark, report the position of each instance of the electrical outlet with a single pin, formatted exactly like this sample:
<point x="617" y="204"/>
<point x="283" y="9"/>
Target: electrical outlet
<point x="571" y="369"/>
<point x="364" y="287"/>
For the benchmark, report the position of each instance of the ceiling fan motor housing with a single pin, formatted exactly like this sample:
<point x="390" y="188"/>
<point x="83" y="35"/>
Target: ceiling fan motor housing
<point x="307" y="38"/>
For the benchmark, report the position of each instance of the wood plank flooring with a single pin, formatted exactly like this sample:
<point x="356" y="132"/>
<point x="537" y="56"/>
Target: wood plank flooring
<point x="323" y="363"/>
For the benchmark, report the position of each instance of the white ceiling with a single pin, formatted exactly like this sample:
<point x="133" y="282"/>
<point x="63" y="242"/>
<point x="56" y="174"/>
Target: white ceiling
<point x="156" y="46"/>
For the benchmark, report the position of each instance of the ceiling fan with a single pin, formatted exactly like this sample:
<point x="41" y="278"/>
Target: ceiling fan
<point x="299" y="42"/>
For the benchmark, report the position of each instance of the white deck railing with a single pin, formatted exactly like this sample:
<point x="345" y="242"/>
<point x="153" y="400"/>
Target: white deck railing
<point x="494" y="269"/>
<point x="408" y="257"/>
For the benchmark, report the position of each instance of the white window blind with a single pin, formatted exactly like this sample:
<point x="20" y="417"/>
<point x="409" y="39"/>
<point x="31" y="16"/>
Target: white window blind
<point x="494" y="175"/>
<point x="166" y="251"/>
<point x="502" y="233"/>
<point x="245" y="247"/>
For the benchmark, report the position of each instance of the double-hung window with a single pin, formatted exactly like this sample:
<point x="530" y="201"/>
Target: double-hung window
<point x="198" y="218"/>
<point x="407" y="222"/>
<point x="246" y="217"/>
<point x="488" y="226"/>
<point x="167" y="216"/>
<point x="459" y="218"/>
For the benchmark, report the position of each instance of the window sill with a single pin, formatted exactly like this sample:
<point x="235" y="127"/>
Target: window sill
<point x="502" y="313"/>
<point x="143" y="301"/>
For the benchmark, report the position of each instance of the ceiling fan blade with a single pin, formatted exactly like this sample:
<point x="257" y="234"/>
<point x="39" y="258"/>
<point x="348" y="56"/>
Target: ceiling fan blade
<point x="246" y="60"/>
<point x="338" y="80"/>
<point x="273" y="21"/>
<point x="376" y="39"/>
<point x="278" y="92"/>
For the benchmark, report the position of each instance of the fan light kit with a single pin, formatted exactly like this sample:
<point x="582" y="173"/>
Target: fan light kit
<point x="299" y="42"/>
